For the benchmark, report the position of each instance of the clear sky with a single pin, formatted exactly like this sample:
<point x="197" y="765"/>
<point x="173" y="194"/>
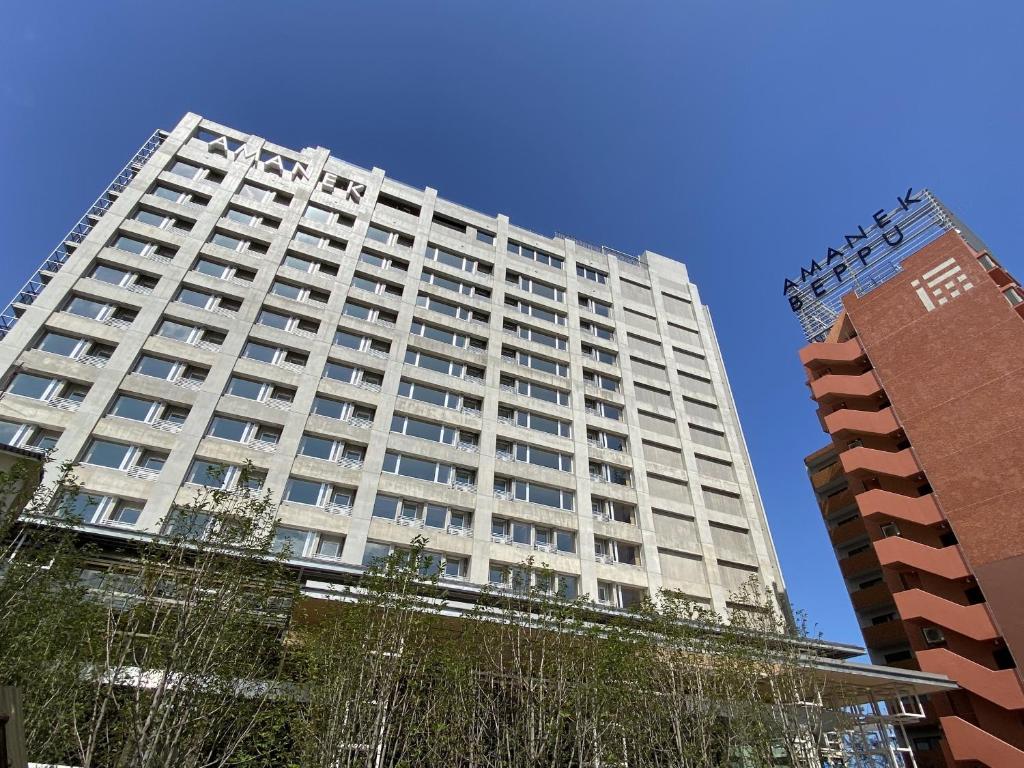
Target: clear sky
<point x="739" y="137"/>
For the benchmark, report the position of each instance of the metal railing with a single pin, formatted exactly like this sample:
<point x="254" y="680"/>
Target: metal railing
<point x="30" y="291"/>
<point x="604" y="249"/>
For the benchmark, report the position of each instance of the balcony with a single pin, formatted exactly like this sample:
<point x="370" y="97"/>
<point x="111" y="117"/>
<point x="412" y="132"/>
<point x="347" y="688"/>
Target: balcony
<point x="1000" y="686"/>
<point x="968" y="742"/>
<point x="838" y="385"/>
<point x="875" y="462"/>
<point x="970" y="621"/>
<point x="848" y="421"/>
<point x="871" y="597"/>
<point x="830" y="353"/>
<point x="847" y="532"/>
<point x="823" y="477"/>
<point x="883" y="635"/>
<point x="947" y="562"/>
<point x="878" y="503"/>
<point x="859" y="563"/>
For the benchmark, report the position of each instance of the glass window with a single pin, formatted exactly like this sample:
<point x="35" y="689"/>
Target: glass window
<point x="85" y="307"/>
<point x="317" y="447"/>
<point x="420" y="469"/>
<point x="187" y="170"/>
<point x="244" y="388"/>
<point x="303" y="491"/>
<point x="291" y="541"/>
<point x="130" y="244"/>
<point x="374" y="553"/>
<point x="29" y="385"/>
<point x="262" y="352"/>
<point x="128" y="407"/>
<point x="385" y="506"/>
<point x="106" y="454"/>
<point x="207" y="473"/>
<point x="329" y="546"/>
<point x="154" y="366"/>
<point x="8" y="432"/>
<point x="228" y="429"/>
<point x="83" y="505"/>
<point x="193" y="297"/>
<point x="325" y="406"/>
<point x="58" y="344"/>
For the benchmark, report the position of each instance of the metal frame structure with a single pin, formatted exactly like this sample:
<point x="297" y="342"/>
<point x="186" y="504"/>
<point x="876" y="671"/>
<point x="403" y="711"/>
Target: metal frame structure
<point x="53" y="263"/>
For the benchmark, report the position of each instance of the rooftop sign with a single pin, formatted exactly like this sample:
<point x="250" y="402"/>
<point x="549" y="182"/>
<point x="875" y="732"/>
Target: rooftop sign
<point x="868" y="257"/>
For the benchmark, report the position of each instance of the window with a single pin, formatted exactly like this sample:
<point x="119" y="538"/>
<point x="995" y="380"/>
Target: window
<point x="134" y="408"/>
<point x="458" y="311"/>
<point x="612" y="551"/>
<point x="171" y="370"/>
<point x="297" y="292"/>
<point x="1013" y="295"/>
<point x="315" y="240"/>
<point x="531" y="454"/>
<point x="289" y="541"/>
<point x="534" y="311"/>
<point x="376" y="347"/>
<point x="437" y="333"/>
<point x="325" y="217"/>
<point x="260" y="391"/>
<point x="535" y="493"/>
<point x="178" y="196"/>
<point x="449" y="223"/>
<point x="223" y="271"/>
<point x="443" y="365"/>
<point x="382" y="262"/>
<point x="161" y="220"/>
<point x="250" y="219"/>
<point x="608" y="440"/>
<point x="484" y="236"/>
<point x="417" y="513"/>
<point x="331" y="408"/>
<point x="214" y="302"/>
<point x="373" y="285"/>
<point x="428" y="430"/>
<point x="212" y="474"/>
<point x="619" y="596"/>
<point x="507" y="531"/>
<point x="595" y="306"/>
<point x="536" y="362"/>
<point x="388" y="237"/>
<point x="266" y="353"/>
<point x="143" y="248"/>
<point x="532" y="334"/>
<point x="531" y="389"/>
<point x="383" y="317"/>
<point x="431" y="471"/>
<point x="103" y="510"/>
<point x="328" y="546"/>
<point x="457" y="261"/>
<point x="534" y="421"/>
<point x="597" y="330"/>
<point x="601" y="380"/>
<point x="544" y="290"/>
<point x="335" y="499"/>
<point x="111" y="314"/>
<point x="541" y="257"/>
<point x="309" y="265"/>
<point x="59" y="344"/>
<point x="349" y="374"/>
<point x="261" y="194"/>
<point x="186" y="170"/>
<point x="601" y="408"/>
<point x="599" y="354"/>
<point x="133" y="281"/>
<point x="328" y="449"/>
<point x="301" y="326"/>
<point x="434" y="396"/>
<point x="609" y="473"/>
<point x="519" y="579"/>
<point x="589" y="273"/>
<point x="191" y="334"/>
<point x="450" y="284"/>
<point x="32" y="386"/>
<point x="618" y="511"/>
<point x="242" y="431"/>
<point x="106" y="453"/>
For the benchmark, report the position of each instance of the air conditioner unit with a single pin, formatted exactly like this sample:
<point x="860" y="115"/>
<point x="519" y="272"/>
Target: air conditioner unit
<point x="933" y="635"/>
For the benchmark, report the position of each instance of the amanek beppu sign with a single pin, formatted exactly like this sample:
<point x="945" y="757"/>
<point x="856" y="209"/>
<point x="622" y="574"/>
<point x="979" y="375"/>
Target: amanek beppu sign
<point x="869" y="256"/>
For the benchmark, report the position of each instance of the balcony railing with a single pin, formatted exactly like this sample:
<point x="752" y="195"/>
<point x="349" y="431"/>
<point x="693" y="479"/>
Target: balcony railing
<point x="342" y="510"/>
<point x="143" y="473"/>
<point x="165" y="426"/>
<point x="349" y="463"/>
<point x="63" y="403"/>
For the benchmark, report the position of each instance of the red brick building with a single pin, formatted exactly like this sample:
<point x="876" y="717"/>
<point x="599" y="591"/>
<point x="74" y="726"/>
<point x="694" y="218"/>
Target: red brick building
<point x="919" y="384"/>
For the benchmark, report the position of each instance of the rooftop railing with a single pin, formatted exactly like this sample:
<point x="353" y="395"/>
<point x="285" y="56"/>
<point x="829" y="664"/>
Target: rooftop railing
<point x="59" y="255"/>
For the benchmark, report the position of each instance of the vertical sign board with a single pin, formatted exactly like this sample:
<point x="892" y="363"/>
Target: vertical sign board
<point x="868" y="257"/>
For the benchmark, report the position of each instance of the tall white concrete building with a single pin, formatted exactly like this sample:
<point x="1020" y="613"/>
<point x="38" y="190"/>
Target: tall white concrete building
<point x="392" y="364"/>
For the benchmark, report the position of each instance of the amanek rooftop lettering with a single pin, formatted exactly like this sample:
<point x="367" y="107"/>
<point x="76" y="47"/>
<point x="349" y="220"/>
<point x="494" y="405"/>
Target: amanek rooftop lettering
<point x="859" y="252"/>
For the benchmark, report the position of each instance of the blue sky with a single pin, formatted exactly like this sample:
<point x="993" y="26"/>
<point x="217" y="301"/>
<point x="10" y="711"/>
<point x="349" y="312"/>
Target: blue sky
<point x="740" y="138"/>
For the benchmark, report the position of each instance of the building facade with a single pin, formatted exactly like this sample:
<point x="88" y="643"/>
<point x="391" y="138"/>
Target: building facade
<point x="918" y="383"/>
<point x="390" y="364"/>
